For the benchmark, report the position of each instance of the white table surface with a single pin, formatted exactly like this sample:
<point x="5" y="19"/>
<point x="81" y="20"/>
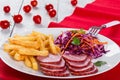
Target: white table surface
<point x="63" y="8"/>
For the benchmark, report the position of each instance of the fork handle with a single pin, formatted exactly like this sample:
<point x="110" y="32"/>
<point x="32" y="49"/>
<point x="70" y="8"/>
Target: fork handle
<point x="110" y="24"/>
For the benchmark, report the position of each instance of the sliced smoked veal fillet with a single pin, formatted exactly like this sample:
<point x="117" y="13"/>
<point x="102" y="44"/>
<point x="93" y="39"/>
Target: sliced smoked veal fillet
<point x="51" y="59"/>
<point x="63" y="74"/>
<point x="79" y="64"/>
<point x="53" y="70"/>
<point x="75" y="57"/>
<point x="53" y="66"/>
<point x="84" y="69"/>
<point x="94" y="70"/>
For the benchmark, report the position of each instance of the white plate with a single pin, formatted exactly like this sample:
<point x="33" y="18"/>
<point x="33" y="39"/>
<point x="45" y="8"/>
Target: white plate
<point x="112" y="58"/>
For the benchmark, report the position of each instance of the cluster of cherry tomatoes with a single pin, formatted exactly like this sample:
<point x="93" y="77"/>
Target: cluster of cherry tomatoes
<point x="28" y="8"/>
<point x="4" y="24"/>
<point x="50" y="9"/>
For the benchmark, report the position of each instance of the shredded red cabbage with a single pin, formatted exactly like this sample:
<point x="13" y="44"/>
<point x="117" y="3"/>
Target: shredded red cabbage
<point x="63" y="39"/>
<point x="95" y="51"/>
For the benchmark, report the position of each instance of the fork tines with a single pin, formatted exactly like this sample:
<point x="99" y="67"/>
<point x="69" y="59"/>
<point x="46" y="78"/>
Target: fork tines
<point x="94" y="30"/>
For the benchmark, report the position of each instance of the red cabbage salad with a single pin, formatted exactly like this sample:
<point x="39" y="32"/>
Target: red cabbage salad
<point x="79" y="42"/>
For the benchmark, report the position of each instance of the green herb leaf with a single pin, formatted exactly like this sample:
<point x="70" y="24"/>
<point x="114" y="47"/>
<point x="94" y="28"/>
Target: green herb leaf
<point x="74" y="31"/>
<point x="76" y="41"/>
<point x="100" y="63"/>
<point x="82" y="31"/>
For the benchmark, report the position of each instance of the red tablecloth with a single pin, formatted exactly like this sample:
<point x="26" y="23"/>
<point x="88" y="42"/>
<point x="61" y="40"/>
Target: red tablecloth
<point x="99" y="12"/>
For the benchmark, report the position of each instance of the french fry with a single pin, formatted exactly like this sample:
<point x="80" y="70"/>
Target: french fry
<point x="29" y="44"/>
<point x="27" y="62"/>
<point x="46" y="43"/>
<point x="25" y="38"/>
<point x="9" y="47"/>
<point x="41" y="43"/>
<point x="18" y="57"/>
<point x="34" y="63"/>
<point x="51" y="36"/>
<point x="58" y="49"/>
<point x="25" y="51"/>
<point x="38" y="34"/>
<point x="12" y="53"/>
<point x="32" y="52"/>
<point x="52" y="46"/>
<point x="46" y="49"/>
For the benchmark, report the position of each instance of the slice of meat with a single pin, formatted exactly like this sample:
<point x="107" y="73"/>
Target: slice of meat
<point x="51" y="59"/>
<point x="84" y="69"/>
<point x="53" y="66"/>
<point x="63" y="74"/>
<point x="75" y="57"/>
<point x="94" y="70"/>
<point x="79" y="64"/>
<point x="53" y="70"/>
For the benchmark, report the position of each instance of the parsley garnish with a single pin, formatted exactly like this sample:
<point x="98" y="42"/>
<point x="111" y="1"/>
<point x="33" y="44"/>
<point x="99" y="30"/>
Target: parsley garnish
<point x="82" y="31"/>
<point x="100" y="63"/>
<point x="76" y="41"/>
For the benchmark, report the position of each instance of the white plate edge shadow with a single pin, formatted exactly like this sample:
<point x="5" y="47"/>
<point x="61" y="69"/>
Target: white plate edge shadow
<point x="69" y="77"/>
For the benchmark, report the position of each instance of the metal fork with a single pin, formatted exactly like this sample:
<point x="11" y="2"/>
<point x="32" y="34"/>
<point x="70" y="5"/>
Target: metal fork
<point x="96" y="29"/>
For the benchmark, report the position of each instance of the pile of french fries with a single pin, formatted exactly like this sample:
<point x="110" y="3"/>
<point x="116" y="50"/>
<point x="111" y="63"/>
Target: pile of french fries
<point x="26" y="48"/>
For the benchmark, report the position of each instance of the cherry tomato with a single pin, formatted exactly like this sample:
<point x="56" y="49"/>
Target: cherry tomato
<point x="6" y="9"/>
<point x="48" y="7"/>
<point x="27" y="8"/>
<point x="4" y="24"/>
<point x="37" y="19"/>
<point x="34" y="3"/>
<point x="74" y="2"/>
<point x="17" y="18"/>
<point x="52" y="13"/>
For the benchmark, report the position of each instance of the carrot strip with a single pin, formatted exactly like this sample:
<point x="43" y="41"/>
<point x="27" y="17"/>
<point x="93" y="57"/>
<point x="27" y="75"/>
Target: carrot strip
<point x="95" y="41"/>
